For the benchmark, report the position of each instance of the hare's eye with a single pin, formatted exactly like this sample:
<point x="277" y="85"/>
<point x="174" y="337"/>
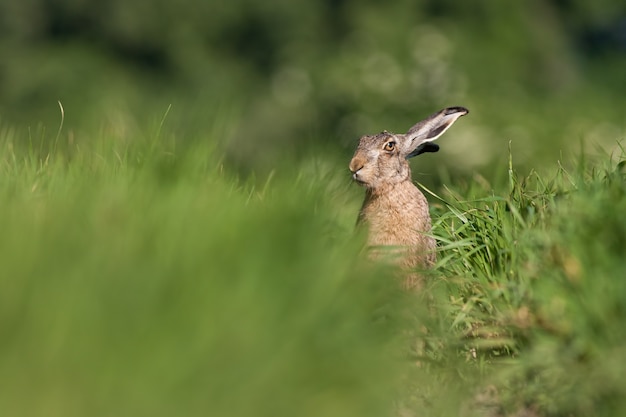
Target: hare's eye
<point x="390" y="146"/>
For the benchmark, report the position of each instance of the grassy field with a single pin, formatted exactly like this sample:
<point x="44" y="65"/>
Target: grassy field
<point x="144" y="278"/>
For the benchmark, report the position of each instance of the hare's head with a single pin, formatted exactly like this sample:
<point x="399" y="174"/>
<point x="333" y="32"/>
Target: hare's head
<point x="382" y="159"/>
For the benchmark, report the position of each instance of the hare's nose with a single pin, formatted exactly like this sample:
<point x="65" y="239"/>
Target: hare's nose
<point x="356" y="164"/>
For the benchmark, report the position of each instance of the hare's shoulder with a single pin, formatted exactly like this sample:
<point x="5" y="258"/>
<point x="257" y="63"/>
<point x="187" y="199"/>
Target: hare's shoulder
<point x="406" y="198"/>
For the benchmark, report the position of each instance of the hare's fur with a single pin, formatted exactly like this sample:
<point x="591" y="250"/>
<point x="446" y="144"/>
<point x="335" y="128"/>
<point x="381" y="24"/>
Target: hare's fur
<point x="395" y="211"/>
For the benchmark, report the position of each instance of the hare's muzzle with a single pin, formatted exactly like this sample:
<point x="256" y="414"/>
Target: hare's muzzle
<point x="355" y="166"/>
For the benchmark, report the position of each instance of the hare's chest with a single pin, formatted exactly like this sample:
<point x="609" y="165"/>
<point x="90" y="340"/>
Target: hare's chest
<point x="398" y="220"/>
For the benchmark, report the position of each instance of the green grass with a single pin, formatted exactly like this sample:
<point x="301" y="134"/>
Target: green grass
<point x="530" y="289"/>
<point x="141" y="277"/>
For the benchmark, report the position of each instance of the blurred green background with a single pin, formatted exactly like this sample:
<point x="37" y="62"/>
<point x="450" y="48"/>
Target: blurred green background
<point x="286" y="76"/>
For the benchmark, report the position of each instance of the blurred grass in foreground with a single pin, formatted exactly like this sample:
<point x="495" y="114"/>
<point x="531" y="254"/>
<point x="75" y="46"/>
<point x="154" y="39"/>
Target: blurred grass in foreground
<point x="138" y="278"/>
<point x="136" y="281"/>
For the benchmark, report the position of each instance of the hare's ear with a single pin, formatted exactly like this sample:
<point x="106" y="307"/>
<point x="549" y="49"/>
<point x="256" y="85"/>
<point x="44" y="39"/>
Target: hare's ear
<point x="430" y="129"/>
<point x="423" y="148"/>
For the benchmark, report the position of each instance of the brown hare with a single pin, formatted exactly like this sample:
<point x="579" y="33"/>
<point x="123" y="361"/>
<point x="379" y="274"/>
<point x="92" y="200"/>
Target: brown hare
<point x="395" y="211"/>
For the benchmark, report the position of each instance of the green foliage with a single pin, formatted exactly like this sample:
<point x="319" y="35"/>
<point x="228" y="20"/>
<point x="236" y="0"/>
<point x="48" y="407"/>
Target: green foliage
<point x="142" y="277"/>
<point x="147" y="281"/>
<point x="543" y="74"/>
<point x="530" y="290"/>
<point x="203" y="261"/>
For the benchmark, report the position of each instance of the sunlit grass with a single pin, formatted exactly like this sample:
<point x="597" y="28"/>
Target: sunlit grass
<point x="530" y="290"/>
<point x="147" y="281"/>
<point x="139" y="276"/>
